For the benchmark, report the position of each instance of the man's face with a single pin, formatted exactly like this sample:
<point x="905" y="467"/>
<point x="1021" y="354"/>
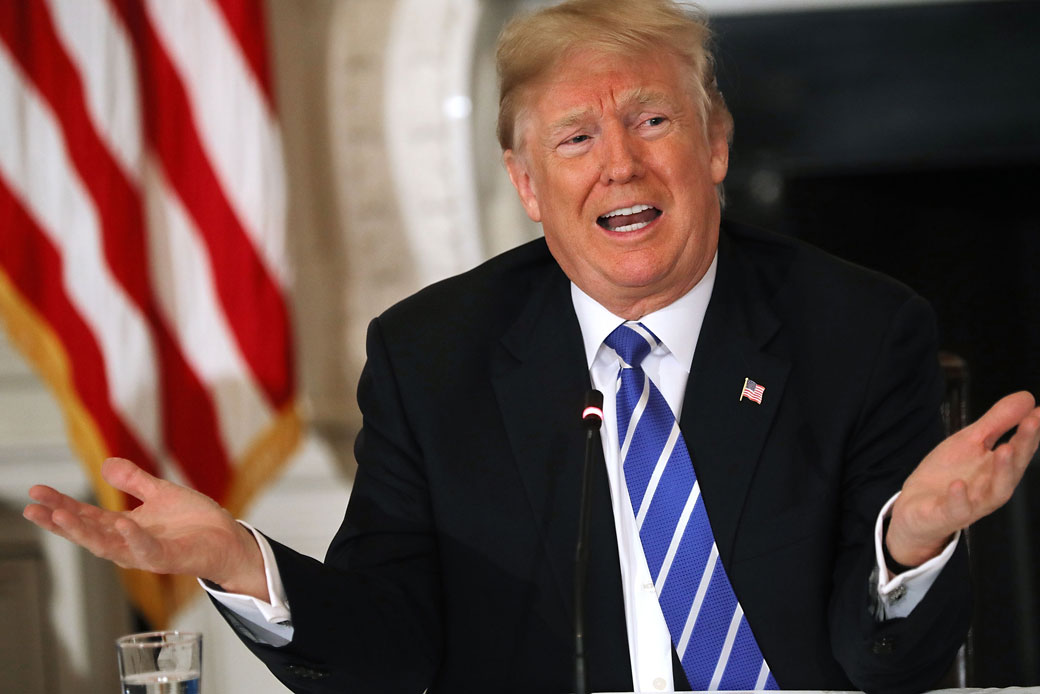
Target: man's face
<point x="614" y="162"/>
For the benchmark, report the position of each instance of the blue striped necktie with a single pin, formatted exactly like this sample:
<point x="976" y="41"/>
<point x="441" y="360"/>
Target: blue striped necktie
<point x="707" y="625"/>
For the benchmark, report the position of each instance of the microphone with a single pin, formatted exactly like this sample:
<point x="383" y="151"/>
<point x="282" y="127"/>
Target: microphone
<point x="592" y="418"/>
<point x="592" y="415"/>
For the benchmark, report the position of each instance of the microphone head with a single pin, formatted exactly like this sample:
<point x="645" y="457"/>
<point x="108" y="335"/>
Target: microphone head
<point x="592" y="415"/>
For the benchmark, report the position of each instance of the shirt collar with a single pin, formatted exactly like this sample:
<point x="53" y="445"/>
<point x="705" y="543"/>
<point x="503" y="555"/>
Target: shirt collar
<point x="678" y="324"/>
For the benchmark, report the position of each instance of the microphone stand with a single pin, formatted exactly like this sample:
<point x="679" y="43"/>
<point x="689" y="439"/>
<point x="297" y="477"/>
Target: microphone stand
<point x="592" y="418"/>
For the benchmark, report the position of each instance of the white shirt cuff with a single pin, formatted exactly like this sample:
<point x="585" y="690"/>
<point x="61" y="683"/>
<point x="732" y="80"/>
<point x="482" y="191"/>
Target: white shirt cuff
<point x="268" y="622"/>
<point x="898" y="595"/>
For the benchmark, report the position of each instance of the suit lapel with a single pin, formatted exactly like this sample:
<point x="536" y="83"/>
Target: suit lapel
<point x="725" y="434"/>
<point x="540" y="378"/>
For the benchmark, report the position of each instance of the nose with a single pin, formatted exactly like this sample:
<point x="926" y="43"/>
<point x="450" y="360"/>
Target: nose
<point x="621" y="156"/>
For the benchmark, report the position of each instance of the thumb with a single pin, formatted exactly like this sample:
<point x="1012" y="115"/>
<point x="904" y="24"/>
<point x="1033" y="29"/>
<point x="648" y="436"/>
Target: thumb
<point x="128" y="477"/>
<point x="999" y="419"/>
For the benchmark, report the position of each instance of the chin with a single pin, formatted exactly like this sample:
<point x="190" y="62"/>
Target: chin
<point x="633" y="275"/>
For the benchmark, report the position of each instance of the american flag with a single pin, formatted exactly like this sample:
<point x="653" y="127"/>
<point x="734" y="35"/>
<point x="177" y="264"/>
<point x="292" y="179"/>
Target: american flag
<point x="142" y="269"/>
<point x="752" y="391"/>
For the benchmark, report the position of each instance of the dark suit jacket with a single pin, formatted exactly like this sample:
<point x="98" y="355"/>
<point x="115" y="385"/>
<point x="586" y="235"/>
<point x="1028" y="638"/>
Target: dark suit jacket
<point x="453" y="567"/>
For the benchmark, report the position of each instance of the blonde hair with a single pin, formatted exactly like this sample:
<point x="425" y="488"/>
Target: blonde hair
<point x="530" y="46"/>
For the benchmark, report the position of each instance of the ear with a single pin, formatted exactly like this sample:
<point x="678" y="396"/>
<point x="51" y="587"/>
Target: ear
<point x="719" y="162"/>
<point x="520" y="175"/>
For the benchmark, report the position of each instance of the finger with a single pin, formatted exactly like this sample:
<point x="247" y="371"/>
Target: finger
<point x="41" y="516"/>
<point x="89" y="535"/>
<point x="54" y="500"/>
<point x="1005" y="414"/>
<point x="1006" y="475"/>
<point x="67" y="524"/>
<point x="127" y="477"/>
<point x="1026" y="438"/>
<point x="47" y="495"/>
<point x="99" y="536"/>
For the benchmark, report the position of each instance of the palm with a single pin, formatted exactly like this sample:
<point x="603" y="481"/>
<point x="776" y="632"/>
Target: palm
<point x="190" y="531"/>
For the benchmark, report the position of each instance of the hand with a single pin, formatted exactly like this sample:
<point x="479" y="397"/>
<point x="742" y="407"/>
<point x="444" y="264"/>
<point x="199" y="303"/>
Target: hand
<point x="175" y="530"/>
<point x="963" y="479"/>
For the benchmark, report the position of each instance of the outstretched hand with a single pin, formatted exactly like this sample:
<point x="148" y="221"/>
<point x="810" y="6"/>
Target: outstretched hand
<point x="175" y="530"/>
<point x="963" y="479"/>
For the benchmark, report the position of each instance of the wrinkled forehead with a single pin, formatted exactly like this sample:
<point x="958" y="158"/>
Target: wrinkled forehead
<point x="639" y="97"/>
<point x="581" y="86"/>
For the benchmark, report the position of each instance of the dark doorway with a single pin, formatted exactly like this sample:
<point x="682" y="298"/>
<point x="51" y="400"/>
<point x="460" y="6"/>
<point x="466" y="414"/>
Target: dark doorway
<point x="907" y="139"/>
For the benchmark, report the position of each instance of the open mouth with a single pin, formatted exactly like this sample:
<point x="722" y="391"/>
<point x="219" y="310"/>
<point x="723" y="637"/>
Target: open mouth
<point x="629" y="218"/>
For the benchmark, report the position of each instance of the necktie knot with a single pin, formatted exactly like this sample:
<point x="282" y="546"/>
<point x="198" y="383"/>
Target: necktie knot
<point x="632" y="341"/>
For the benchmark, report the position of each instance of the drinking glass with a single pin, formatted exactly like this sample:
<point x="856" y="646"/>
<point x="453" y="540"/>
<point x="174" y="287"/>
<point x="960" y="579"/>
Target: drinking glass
<point x="160" y="662"/>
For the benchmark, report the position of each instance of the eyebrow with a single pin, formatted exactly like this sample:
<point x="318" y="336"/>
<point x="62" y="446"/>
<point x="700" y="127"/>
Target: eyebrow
<point x="569" y="120"/>
<point x="639" y="96"/>
<point x="644" y="97"/>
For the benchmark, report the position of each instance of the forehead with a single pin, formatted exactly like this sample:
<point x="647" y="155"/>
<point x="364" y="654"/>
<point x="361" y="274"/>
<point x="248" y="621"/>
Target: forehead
<point x="585" y="85"/>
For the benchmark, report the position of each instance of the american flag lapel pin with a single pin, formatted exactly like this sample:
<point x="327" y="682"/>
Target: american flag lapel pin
<point x="752" y="391"/>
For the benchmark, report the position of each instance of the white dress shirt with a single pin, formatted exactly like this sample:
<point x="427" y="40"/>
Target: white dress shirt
<point x="678" y="327"/>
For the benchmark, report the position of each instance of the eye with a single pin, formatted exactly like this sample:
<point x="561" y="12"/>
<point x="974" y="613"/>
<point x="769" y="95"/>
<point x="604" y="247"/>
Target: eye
<point x="573" y="146"/>
<point x="653" y="127"/>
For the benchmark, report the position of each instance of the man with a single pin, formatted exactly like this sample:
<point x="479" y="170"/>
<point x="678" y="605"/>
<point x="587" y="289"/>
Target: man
<point x="805" y="389"/>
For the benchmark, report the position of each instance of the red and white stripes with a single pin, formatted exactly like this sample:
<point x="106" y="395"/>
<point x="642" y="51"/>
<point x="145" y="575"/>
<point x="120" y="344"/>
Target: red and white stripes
<point x="142" y="203"/>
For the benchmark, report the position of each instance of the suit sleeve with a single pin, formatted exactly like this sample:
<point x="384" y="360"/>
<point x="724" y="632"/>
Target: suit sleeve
<point x="368" y="618"/>
<point x="898" y="425"/>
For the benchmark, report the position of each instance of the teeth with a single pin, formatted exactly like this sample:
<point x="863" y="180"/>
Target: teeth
<point x="635" y="209"/>
<point x="631" y="227"/>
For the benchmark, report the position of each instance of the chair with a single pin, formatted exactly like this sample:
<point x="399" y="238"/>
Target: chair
<point x="954" y="410"/>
